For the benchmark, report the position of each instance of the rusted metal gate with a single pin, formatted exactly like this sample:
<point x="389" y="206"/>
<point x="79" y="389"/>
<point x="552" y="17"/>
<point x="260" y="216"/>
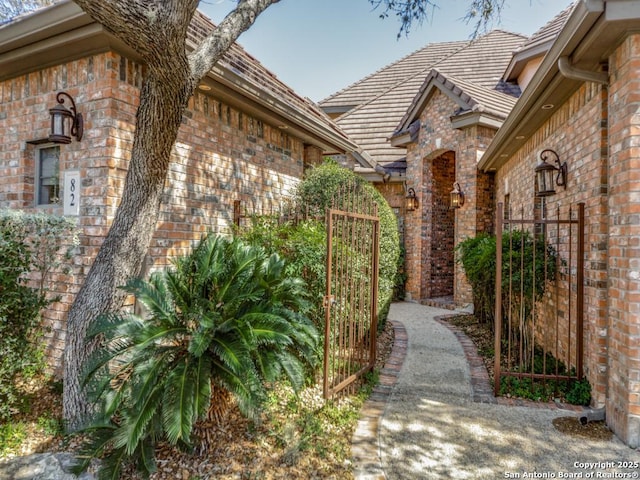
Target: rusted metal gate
<point x="352" y="289"/>
<point x="540" y="340"/>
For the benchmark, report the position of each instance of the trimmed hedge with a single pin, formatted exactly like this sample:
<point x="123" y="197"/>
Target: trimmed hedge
<point x="316" y="193"/>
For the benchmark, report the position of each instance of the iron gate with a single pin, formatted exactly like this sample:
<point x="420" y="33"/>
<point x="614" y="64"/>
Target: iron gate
<point x="352" y="289"/>
<point x="539" y="298"/>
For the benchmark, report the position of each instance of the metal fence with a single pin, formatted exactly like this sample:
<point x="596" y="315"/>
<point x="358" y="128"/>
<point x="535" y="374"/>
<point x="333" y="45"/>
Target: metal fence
<point x="352" y="289"/>
<point x="539" y="297"/>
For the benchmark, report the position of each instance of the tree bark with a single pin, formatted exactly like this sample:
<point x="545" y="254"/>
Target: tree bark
<point x="157" y="30"/>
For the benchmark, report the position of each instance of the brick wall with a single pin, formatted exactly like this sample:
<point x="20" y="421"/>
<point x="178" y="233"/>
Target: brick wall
<point x="623" y="403"/>
<point x="221" y="155"/>
<point x="575" y="132"/>
<point x="594" y="131"/>
<point x="440" y="258"/>
<point x="441" y="156"/>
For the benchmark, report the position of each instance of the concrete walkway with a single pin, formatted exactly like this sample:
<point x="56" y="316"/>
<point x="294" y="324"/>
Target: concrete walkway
<point x="427" y="421"/>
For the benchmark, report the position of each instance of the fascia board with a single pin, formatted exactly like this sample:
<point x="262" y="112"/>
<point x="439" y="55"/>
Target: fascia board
<point x="546" y="80"/>
<point x="482" y="119"/>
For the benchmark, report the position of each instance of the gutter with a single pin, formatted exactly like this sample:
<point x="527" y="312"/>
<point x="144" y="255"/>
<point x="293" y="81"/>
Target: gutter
<point x="578" y="25"/>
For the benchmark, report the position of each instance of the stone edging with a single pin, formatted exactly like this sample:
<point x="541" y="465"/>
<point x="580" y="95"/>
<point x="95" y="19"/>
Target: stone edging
<point x="365" y="449"/>
<point x="482" y="390"/>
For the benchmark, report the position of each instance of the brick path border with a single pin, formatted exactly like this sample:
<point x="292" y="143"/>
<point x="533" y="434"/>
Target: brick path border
<point x="365" y="449"/>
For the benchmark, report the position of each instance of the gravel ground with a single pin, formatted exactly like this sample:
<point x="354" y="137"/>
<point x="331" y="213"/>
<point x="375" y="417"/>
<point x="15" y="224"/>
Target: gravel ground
<point x="431" y="429"/>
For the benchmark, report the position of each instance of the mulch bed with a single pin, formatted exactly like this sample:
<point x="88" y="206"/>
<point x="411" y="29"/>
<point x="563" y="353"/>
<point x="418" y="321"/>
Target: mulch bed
<point x="237" y="448"/>
<point x="482" y="337"/>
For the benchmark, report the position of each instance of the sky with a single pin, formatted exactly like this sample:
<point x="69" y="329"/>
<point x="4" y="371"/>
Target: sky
<point x="318" y="47"/>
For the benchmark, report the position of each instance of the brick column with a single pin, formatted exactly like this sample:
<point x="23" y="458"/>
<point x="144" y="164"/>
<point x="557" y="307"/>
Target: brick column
<point x="623" y="402"/>
<point x="413" y="223"/>
<point x="476" y="215"/>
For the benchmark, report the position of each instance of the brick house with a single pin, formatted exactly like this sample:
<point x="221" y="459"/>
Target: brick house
<point x="246" y="137"/>
<point x="581" y="100"/>
<point x="572" y="88"/>
<point x="462" y="79"/>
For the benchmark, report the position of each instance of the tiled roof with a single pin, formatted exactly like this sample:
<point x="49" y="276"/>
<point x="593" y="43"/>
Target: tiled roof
<point x="237" y="60"/>
<point x="389" y="76"/>
<point x="475" y="97"/>
<point x="375" y="119"/>
<point x="550" y="30"/>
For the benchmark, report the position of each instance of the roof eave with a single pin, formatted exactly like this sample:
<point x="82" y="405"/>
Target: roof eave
<point x="51" y="36"/>
<point x="64" y="32"/>
<point x="401" y="139"/>
<point x="522" y="57"/>
<point x="482" y="119"/>
<point x="547" y="87"/>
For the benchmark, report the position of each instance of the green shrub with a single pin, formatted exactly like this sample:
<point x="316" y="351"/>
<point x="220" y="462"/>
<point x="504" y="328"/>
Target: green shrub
<point x="32" y="247"/>
<point x="226" y="318"/>
<point x="522" y="278"/>
<point x="316" y="193"/>
<point x="478" y="258"/>
<point x="303" y="247"/>
<point x="28" y="243"/>
<point x="579" y="392"/>
<point x="20" y="307"/>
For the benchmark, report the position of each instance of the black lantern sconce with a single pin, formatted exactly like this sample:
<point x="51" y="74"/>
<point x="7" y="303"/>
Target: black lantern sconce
<point x="456" y="196"/>
<point x="65" y="122"/>
<point x="411" y="201"/>
<point x="549" y="175"/>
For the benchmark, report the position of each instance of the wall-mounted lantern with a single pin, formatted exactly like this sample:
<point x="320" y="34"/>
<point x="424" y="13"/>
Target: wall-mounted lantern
<point x="549" y="175"/>
<point x="65" y="122"/>
<point x="456" y="196"/>
<point x="411" y="201"/>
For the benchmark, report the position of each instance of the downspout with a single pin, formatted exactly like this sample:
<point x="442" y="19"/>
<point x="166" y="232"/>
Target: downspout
<point x="592" y="415"/>
<point x="569" y="71"/>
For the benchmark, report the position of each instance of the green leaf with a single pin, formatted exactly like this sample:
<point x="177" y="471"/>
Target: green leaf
<point x="178" y="403"/>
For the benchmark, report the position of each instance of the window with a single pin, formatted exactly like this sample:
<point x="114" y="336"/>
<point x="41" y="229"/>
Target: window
<point x="506" y="214"/>
<point x="48" y="175"/>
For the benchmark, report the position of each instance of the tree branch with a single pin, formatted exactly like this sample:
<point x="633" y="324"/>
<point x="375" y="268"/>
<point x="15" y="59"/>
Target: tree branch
<point x="482" y="12"/>
<point x="156" y="29"/>
<point x="203" y="58"/>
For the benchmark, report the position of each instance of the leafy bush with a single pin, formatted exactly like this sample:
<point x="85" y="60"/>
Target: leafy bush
<point x="478" y="258"/>
<point x="303" y="247"/>
<point x="579" y="392"/>
<point x="19" y="319"/>
<point x="316" y="193"/>
<point x="522" y="278"/>
<point x="28" y="243"/>
<point x="225" y="319"/>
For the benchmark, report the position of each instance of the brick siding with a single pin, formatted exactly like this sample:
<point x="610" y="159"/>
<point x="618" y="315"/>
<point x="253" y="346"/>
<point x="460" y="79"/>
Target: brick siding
<point x="441" y="156"/>
<point x="604" y="175"/>
<point x="221" y="155"/>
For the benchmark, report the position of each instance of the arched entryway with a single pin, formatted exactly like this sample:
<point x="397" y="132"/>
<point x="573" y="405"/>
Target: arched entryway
<point x="439" y="228"/>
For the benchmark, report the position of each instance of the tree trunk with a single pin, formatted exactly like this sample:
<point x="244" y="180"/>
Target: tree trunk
<point x="157" y="30"/>
<point x="127" y="242"/>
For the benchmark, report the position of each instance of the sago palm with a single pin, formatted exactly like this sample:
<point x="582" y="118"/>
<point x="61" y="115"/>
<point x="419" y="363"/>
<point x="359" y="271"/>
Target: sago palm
<point x="224" y="316"/>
